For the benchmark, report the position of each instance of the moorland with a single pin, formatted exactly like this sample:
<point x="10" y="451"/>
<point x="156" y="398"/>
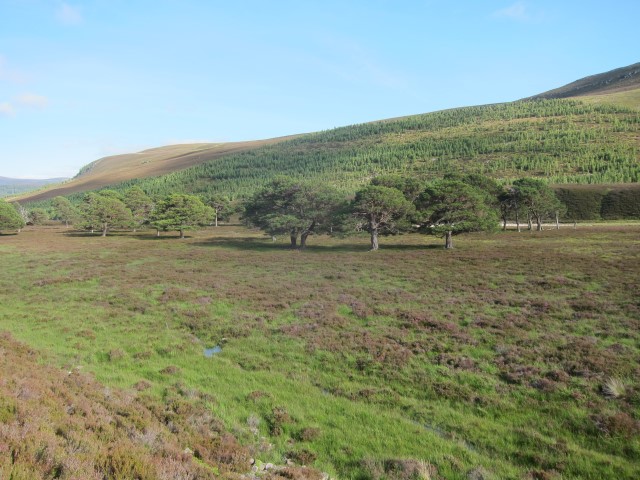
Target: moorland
<point x="515" y="355"/>
<point x="227" y="354"/>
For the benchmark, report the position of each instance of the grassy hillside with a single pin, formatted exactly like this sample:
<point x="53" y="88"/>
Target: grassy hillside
<point x="153" y="162"/>
<point x="565" y="141"/>
<point x="611" y="82"/>
<point x="514" y="356"/>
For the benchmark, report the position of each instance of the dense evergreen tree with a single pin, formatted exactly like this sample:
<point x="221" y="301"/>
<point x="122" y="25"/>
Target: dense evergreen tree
<point x="103" y="211"/>
<point x="140" y="205"/>
<point x="64" y="210"/>
<point x="38" y="216"/>
<point x="451" y="207"/>
<point x="411" y="187"/>
<point x="222" y="207"/>
<point x="538" y="198"/>
<point x="180" y="212"/>
<point x="379" y="209"/>
<point x="289" y="207"/>
<point x="10" y="219"/>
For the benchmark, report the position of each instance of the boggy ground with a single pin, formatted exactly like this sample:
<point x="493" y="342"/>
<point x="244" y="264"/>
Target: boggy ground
<point x="512" y="356"/>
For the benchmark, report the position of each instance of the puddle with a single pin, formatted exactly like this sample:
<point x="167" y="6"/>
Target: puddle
<point x="210" y="352"/>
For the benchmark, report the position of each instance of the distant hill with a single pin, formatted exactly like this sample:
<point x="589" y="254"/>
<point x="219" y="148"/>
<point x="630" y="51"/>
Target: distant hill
<point x="616" y="81"/>
<point x="14" y="186"/>
<point x="593" y="138"/>
<point x="148" y="163"/>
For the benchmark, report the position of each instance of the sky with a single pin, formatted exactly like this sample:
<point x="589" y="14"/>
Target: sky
<point x="83" y="79"/>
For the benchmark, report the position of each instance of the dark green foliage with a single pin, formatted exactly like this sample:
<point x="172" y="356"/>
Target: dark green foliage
<point x="140" y="205"/>
<point x="105" y="210"/>
<point x="223" y="208"/>
<point x="38" y="216"/>
<point x="64" y="210"/>
<point x="452" y="207"/>
<point x="10" y="219"/>
<point x="180" y="212"/>
<point x="538" y="198"/>
<point x="294" y="208"/>
<point x="410" y="187"/>
<point x="621" y="204"/>
<point x="581" y="204"/>
<point x="379" y="209"/>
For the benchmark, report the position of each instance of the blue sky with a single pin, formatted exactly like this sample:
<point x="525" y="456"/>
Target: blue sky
<point x="83" y="79"/>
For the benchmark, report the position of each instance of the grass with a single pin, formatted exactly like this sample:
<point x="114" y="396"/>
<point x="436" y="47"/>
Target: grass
<point x="489" y="358"/>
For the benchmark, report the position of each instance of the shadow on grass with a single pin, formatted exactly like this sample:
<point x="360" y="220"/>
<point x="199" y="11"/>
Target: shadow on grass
<point x="137" y="236"/>
<point x="257" y="244"/>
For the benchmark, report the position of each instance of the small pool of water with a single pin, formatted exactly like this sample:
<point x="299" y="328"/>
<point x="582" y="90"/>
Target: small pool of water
<point x="210" y="352"/>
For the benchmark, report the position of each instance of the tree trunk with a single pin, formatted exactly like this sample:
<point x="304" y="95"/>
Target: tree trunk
<point x="66" y="224"/>
<point x="294" y="240"/>
<point x="216" y="221"/>
<point x="104" y="230"/>
<point x="529" y="221"/>
<point x="517" y="220"/>
<point x="538" y="223"/>
<point x="374" y="239"/>
<point x="181" y="233"/>
<point x="306" y="233"/>
<point x="557" y="221"/>
<point x="504" y="224"/>
<point x="157" y="232"/>
<point x="448" y="240"/>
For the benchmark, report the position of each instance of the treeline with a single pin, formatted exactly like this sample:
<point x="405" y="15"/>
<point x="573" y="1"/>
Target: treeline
<point x="389" y="204"/>
<point x="600" y="202"/>
<point x="563" y="141"/>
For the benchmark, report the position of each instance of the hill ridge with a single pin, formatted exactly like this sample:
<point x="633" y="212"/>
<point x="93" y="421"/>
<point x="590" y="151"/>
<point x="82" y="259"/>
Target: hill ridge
<point x="616" y="80"/>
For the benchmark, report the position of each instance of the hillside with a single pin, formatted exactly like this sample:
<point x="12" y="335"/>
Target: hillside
<point x="565" y="141"/>
<point x="15" y="186"/>
<point x="613" y="82"/>
<point x="591" y="139"/>
<point x="153" y="162"/>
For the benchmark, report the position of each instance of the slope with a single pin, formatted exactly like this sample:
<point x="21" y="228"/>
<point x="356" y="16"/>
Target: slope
<point x="607" y="83"/>
<point x="587" y="140"/>
<point x="153" y="162"/>
<point x="565" y="141"/>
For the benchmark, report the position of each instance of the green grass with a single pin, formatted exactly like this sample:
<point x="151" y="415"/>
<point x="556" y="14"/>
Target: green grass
<point x="490" y="356"/>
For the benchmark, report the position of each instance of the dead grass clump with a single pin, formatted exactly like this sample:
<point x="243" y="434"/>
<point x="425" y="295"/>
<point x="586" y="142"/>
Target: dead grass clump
<point x="308" y="434"/>
<point x="301" y="456"/>
<point x="143" y="355"/>
<point x="295" y="473"/>
<point x="116" y="354"/>
<point x="142" y="385"/>
<point x="617" y="424"/>
<point x="277" y="419"/>
<point x="614" y="388"/>
<point x="257" y="395"/>
<point x="400" y="469"/>
<point x="170" y="370"/>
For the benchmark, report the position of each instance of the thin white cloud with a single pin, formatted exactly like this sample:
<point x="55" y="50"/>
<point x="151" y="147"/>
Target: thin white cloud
<point x="68" y="15"/>
<point x="518" y="11"/>
<point x="6" y="109"/>
<point x="32" y="100"/>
